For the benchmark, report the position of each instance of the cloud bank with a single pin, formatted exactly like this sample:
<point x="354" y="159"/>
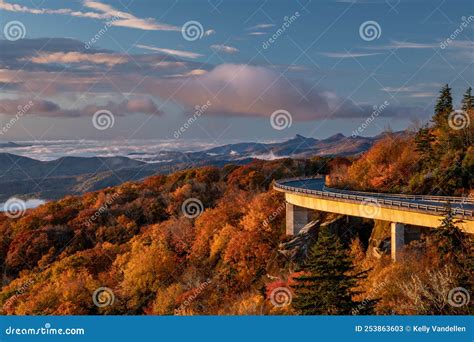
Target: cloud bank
<point x="48" y="108"/>
<point x="65" y="67"/>
<point x="253" y="91"/>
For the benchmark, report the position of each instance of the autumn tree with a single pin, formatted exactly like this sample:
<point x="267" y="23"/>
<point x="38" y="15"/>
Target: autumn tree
<point x="148" y="264"/>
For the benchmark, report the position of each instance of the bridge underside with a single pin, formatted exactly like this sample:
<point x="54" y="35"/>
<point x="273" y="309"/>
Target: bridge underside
<point x="298" y="206"/>
<point x="372" y="211"/>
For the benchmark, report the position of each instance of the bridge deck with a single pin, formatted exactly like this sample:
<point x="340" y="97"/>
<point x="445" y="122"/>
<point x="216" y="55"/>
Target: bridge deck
<point x="425" y="211"/>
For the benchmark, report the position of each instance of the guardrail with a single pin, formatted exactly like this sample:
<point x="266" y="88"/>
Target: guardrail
<point x="443" y="199"/>
<point x="426" y="208"/>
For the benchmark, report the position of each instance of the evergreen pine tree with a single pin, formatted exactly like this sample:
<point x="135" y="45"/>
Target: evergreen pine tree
<point x="444" y="106"/>
<point x="467" y="100"/>
<point x="424" y="140"/>
<point x="451" y="240"/>
<point x="328" y="281"/>
<point x="456" y="247"/>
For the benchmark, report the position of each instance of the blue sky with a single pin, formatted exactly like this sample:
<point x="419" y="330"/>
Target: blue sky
<point x="320" y="68"/>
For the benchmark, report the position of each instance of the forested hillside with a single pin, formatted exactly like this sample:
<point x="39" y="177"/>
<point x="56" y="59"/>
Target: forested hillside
<point x="437" y="158"/>
<point x="147" y="244"/>
<point x="212" y="241"/>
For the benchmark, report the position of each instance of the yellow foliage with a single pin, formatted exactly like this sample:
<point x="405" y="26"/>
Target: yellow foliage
<point x="149" y="264"/>
<point x="220" y="241"/>
<point x="165" y="301"/>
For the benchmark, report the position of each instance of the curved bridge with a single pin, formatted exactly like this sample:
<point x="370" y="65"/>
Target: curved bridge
<point x="302" y="194"/>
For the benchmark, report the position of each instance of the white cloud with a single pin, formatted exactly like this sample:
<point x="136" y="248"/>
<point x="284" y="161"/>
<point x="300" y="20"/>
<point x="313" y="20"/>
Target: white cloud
<point x="423" y="94"/>
<point x="224" y="48"/>
<point x="348" y="54"/>
<point x="395" y="44"/>
<point x="102" y="11"/>
<point x="209" y="32"/>
<point x="177" y="53"/>
<point x="64" y="11"/>
<point x="453" y="44"/>
<point x="412" y="88"/>
<point x="129" y="20"/>
<point x="260" y="26"/>
<point x="462" y="44"/>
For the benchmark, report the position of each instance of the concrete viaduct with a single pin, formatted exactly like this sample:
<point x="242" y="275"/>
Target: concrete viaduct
<point x="304" y="194"/>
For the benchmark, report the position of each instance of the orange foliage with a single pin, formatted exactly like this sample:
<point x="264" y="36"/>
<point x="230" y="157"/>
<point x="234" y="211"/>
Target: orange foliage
<point x="387" y="166"/>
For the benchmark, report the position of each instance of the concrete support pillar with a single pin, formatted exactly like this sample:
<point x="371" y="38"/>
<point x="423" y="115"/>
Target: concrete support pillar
<point x="296" y="218"/>
<point x="397" y="240"/>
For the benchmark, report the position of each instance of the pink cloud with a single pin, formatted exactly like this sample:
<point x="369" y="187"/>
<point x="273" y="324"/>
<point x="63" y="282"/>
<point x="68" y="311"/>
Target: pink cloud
<point x="78" y="57"/>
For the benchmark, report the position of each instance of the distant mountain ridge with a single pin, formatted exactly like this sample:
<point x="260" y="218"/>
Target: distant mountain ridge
<point x="10" y="144"/>
<point x="14" y="167"/>
<point x="27" y="177"/>
<point x="297" y="147"/>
